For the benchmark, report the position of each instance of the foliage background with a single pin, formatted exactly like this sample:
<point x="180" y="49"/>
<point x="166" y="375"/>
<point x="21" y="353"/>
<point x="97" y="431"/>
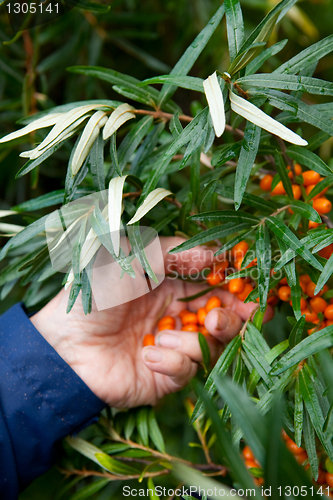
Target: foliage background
<point x="141" y="38"/>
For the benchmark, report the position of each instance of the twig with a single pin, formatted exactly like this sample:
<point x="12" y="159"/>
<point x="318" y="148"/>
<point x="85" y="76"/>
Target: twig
<point x="241" y="333"/>
<point x="327" y="221"/>
<point x="284" y="154"/>
<point x="110" y="477"/>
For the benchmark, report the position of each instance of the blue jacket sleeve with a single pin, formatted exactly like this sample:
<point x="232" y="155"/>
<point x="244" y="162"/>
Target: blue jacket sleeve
<point x="42" y="400"/>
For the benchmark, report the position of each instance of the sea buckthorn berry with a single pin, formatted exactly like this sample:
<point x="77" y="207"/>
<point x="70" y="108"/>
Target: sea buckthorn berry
<point x="243" y="295"/>
<point x="266" y="182"/>
<point x="329" y="479"/>
<point x="295" y="450"/>
<point x="214" y="278"/>
<point x="181" y="314"/>
<point x="166" y="323"/>
<point x="301" y="457"/>
<point x="212" y="303"/>
<point x="318" y="304"/>
<point x="329" y="322"/>
<point x="240" y="250"/>
<point x="238" y="263"/>
<point x="273" y="300"/>
<point x="310" y="290"/>
<point x="321" y="477"/>
<point x="290" y="174"/>
<point x="322" y="205"/>
<point x="313" y="224"/>
<point x="304" y="304"/>
<point x="247" y="453"/>
<point x="283" y="281"/>
<point x="319" y="195"/>
<point x="298" y="169"/>
<point x="201" y="314"/>
<point x="310" y="177"/>
<point x="189" y="318"/>
<point x="148" y="339"/>
<point x="326" y="252"/>
<point x="310" y="316"/>
<point x="284" y="293"/>
<point x="252" y="263"/>
<point x="305" y="278"/>
<point x="236" y="285"/>
<point x="191" y="327"/>
<point x="296" y="191"/>
<point x="328" y="312"/>
<point x="284" y="435"/>
<point x="279" y="189"/>
<point x="251" y="464"/>
<point x="221" y="266"/>
<point x="204" y="330"/>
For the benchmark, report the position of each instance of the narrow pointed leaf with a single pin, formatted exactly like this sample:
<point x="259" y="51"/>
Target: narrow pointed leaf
<point x="235" y="26"/>
<point x="117" y="118"/>
<point x="115" y="199"/>
<point x="325" y="275"/>
<point x="215" y="102"/>
<point x="152" y="199"/>
<point x="45" y="121"/>
<point x="264" y="256"/>
<point x="309" y="159"/>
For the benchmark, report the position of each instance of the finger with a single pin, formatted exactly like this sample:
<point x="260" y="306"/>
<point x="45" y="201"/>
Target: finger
<point x="223" y="323"/>
<point x="245" y="310"/>
<point x="188" y="343"/>
<point x="179" y="367"/>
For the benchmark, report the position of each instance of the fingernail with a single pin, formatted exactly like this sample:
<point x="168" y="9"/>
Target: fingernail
<point x="169" y="340"/>
<point x="153" y="355"/>
<point x="222" y="321"/>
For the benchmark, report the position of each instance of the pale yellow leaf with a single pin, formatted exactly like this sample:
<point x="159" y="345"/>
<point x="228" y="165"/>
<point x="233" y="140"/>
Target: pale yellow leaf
<point x="117" y="118"/>
<point x="152" y="199"/>
<point x="214" y="98"/>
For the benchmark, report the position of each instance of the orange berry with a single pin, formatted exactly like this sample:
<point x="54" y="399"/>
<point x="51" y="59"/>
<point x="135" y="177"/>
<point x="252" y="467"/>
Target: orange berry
<point x="212" y="303"/>
<point x="273" y="300"/>
<point x="266" y="182"/>
<point x="149" y="340"/>
<point x="252" y="263"/>
<point x="329" y="322"/>
<point x="321" y="477"/>
<point x="313" y="224"/>
<point x="329" y="479"/>
<point x="310" y="177"/>
<point x="318" y="304"/>
<point x="214" y="278"/>
<point x="238" y="263"/>
<point x="259" y="481"/>
<point x="322" y="205"/>
<point x="301" y="457"/>
<point x="303" y="304"/>
<point x="285" y="435"/>
<point x="296" y="191"/>
<point x="251" y="464"/>
<point x="184" y="311"/>
<point x="284" y="293"/>
<point x="204" y="330"/>
<point x="279" y="189"/>
<point x="326" y="252"/>
<point x="298" y="169"/>
<point x="243" y="295"/>
<point x="191" y="327"/>
<point x="201" y="313"/>
<point x="189" y="318"/>
<point x="240" y="250"/>
<point x="310" y="317"/>
<point x="283" y="281"/>
<point x="166" y="323"/>
<point x="295" y="450"/>
<point x="247" y="453"/>
<point x="305" y="278"/>
<point x="221" y="266"/>
<point x="236" y="285"/>
<point x="328" y="312"/>
<point x="310" y="290"/>
<point x="290" y="174"/>
<point x="319" y="195"/>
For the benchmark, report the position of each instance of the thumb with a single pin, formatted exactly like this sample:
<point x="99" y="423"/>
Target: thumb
<point x="223" y="323"/>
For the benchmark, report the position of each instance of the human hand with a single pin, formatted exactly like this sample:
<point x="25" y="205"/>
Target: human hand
<point x="105" y="347"/>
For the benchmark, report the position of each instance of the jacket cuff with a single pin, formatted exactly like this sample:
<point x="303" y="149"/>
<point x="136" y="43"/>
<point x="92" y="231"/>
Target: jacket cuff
<point x="43" y="399"/>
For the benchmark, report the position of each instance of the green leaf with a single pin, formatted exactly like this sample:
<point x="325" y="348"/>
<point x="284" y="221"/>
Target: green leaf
<point x="189" y="298"/>
<point x="31" y="164"/>
<point x="283" y="174"/>
<point x="255" y="293"/>
<point x="247" y="156"/>
<point x="191" y="54"/>
<point x="287" y="82"/>
<point x="309" y="159"/>
<point x="227" y="216"/>
<point x="235" y="26"/>
<point x="222" y="366"/>
<point x="310" y="445"/>
<point x="154" y="431"/>
<point x="115" y="466"/>
<point x="142" y="425"/>
<point x="45" y="200"/>
<point x="319" y="187"/>
<point x="138" y="248"/>
<point x="307" y="57"/>
<point x="305" y="210"/>
<point x="316" y="342"/>
<point x="205" y="351"/>
<point x="151" y="488"/>
<point x="225" y="153"/>
<point x="296" y="333"/>
<point x="96" y="163"/>
<point x="231" y="243"/>
<point x="225" y="448"/>
<point x="264" y="257"/>
<point x="266" y="54"/>
<point x="298" y="109"/>
<point x="249" y="199"/>
<point x="284" y="233"/>
<point x="135" y="95"/>
<point x="298" y="414"/>
<point x="325" y="275"/>
<point x="89" y="490"/>
<point x="185" y="82"/>
<point x="132" y="140"/>
<point x="211" y="234"/>
<point x="86" y="288"/>
<point x="258" y="361"/>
